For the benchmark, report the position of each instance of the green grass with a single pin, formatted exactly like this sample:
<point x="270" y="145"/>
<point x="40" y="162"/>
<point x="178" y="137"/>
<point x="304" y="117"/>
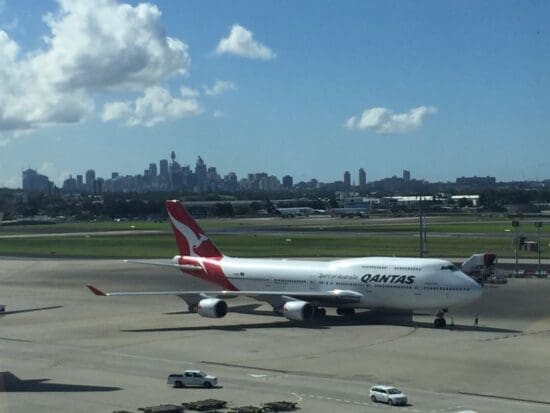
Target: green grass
<point x="297" y="225"/>
<point x="250" y="245"/>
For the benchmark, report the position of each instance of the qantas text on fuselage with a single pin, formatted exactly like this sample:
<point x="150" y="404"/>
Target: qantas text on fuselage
<point x="302" y="289"/>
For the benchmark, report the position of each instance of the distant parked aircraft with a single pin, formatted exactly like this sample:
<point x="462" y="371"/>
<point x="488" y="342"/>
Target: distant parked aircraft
<point x="289" y="212"/>
<point x="300" y="290"/>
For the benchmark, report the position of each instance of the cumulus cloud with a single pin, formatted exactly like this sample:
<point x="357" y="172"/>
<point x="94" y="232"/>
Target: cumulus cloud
<point x="241" y="42"/>
<point x="156" y="105"/>
<point x="92" y="47"/>
<point x="10" y="182"/>
<point x="49" y="169"/>
<point x="386" y="122"/>
<point x="188" y="92"/>
<point x="219" y="87"/>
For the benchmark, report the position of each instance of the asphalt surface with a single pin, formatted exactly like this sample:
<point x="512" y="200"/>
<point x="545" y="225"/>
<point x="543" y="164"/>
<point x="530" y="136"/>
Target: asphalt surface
<point x="69" y="351"/>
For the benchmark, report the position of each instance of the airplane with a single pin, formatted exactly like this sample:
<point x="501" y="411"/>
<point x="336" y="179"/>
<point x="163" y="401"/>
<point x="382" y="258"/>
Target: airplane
<point x="302" y="290"/>
<point x="289" y="212"/>
<point x="349" y="212"/>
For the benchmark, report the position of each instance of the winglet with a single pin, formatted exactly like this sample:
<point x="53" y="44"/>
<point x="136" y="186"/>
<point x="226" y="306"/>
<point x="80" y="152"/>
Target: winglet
<point x="95" y="290"/>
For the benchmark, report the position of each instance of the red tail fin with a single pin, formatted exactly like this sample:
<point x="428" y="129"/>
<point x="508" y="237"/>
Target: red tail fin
<point x="191" y="239"/>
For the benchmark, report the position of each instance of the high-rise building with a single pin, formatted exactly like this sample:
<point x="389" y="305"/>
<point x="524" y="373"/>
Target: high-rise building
<point x="287" y="182"/>
<point x="114" y="175"/>
<point x="362" y="178"/>
<point x="200" y="175"/>
<point x="347" y="179"/>
<point x="164" y="176"/>
<point x="35" y="182"/>
<point x="406" y="175"/>
<point x="90" y="180"/>
<point x="153" y="169"/>
<point x="69" y="185"/>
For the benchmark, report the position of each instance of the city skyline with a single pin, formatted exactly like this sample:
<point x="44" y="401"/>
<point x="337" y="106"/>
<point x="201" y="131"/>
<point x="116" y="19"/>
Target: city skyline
<point x="309" y="89"/>
<point x="173" y="176"/>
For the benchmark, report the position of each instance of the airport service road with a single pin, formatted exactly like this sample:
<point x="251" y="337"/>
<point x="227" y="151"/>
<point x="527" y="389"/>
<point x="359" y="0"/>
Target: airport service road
<point x="102" y="354"/>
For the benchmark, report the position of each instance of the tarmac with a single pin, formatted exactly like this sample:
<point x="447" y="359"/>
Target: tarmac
<point x="65" y="350"/>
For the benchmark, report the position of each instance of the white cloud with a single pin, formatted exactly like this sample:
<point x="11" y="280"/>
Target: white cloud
<point x="4" y="141"/>
<point x="188" y="92"/>
<point x="49" y="169"/>
<point x="218" y="114"/>
<point x="156" y="105"/>
<point x="241" y="42"/>
<point x="219" y="87"/>
<point x="92" y="47"/>
<point x="10" y="182"/>
<point x="386" y="122"/>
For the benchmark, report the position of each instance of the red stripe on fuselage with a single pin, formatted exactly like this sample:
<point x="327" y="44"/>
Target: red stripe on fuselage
<point x="211" y="272"/>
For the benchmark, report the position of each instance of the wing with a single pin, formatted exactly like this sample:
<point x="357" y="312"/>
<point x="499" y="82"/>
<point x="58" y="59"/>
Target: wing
<point x="332" y="297"/>
<point x="185" y="267"/>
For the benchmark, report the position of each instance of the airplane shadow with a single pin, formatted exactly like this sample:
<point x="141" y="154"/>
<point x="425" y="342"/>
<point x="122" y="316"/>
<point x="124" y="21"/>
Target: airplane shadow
<point x="9" y="382"/>
<point x="52" y="307"/>
<point x="330" y="321"/>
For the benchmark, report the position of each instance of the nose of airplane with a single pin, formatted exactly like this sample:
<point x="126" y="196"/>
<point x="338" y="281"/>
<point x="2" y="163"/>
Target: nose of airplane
<point x="476" y="290"/>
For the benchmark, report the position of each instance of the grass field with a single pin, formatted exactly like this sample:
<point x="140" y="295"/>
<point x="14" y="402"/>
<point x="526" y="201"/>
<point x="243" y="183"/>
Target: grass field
<point x="251" y="245"/>
<point x="299" y="225"/>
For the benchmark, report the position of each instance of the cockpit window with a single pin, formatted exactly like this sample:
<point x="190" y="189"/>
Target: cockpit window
<point x="450" y="267"/>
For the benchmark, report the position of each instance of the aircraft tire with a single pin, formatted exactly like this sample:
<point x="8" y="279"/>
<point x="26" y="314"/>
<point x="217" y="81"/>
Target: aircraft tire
<point x="320" y="312"/>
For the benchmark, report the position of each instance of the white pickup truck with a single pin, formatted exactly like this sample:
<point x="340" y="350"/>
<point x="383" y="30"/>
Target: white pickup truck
<point x="192" y="378"/>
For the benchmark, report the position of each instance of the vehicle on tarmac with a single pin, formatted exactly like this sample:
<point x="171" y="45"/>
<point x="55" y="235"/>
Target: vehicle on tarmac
<point x="300" y="289"/>
<point x="192" y="378"/>
<point x="388" y="394"/>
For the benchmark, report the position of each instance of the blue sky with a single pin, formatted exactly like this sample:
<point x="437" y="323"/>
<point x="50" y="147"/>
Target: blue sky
<point x="309" y="88"/>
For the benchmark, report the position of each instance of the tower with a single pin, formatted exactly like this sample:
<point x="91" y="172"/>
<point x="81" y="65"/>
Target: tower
<point x="347" y="179"/>
<point x="362" y="178"/>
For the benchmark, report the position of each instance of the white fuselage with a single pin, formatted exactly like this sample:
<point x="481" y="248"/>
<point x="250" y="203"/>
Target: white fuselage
<point x="383" y="282"/>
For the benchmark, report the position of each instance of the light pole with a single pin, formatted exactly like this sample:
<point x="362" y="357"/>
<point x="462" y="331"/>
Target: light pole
<point x="515" y="224"/>
<point x="538" y="225"/>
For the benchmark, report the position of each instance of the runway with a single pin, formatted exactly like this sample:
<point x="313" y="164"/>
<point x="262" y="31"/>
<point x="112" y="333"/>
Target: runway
<point x="81" y="353"/>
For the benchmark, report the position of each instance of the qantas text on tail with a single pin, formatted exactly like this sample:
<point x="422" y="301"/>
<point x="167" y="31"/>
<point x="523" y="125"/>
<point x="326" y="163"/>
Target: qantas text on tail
<point x="300" y="290"/>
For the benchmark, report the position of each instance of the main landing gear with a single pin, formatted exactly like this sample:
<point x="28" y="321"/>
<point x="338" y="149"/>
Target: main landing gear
<point x="346" y="312"/>
<point x="319" y="312"/>
<point x="440" y="321"/>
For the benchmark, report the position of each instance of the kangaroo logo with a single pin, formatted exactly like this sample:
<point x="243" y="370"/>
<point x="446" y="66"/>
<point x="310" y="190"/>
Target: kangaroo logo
<point x="192" y="239"/>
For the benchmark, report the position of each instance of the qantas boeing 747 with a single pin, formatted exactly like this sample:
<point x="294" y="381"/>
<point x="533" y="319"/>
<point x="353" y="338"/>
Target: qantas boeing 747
<point x="300" y="290"/>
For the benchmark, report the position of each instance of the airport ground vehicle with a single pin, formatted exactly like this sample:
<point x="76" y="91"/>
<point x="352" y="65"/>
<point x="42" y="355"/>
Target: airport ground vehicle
<point x="192" y="378"/>
<point x="301" y="290"/>
<point x="388" y="394"/>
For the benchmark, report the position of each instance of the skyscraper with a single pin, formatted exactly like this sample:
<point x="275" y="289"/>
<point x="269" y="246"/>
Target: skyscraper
<point x="90" y="181"/>
<point x="35" y="182"/>
<point x="287" y="182"/>
<point x="200" y="174"/>
<point x="406" y="175"/>
<point x="362" y="178"/>
<point x="347" y="179"/>
<point x="164" y="177"/>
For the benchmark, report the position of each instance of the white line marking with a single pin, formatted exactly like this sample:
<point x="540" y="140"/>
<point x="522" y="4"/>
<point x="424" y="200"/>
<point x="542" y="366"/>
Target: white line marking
<point x="298" y="396"/>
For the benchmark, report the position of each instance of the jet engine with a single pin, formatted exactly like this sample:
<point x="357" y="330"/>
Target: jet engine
<point x="212" y="308"/>
<point x="298" y="310"/>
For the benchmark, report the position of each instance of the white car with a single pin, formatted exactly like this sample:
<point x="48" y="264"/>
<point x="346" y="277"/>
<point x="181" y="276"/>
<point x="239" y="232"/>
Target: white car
<point x="192" y="378"/>
<point x="388" y="394"/>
